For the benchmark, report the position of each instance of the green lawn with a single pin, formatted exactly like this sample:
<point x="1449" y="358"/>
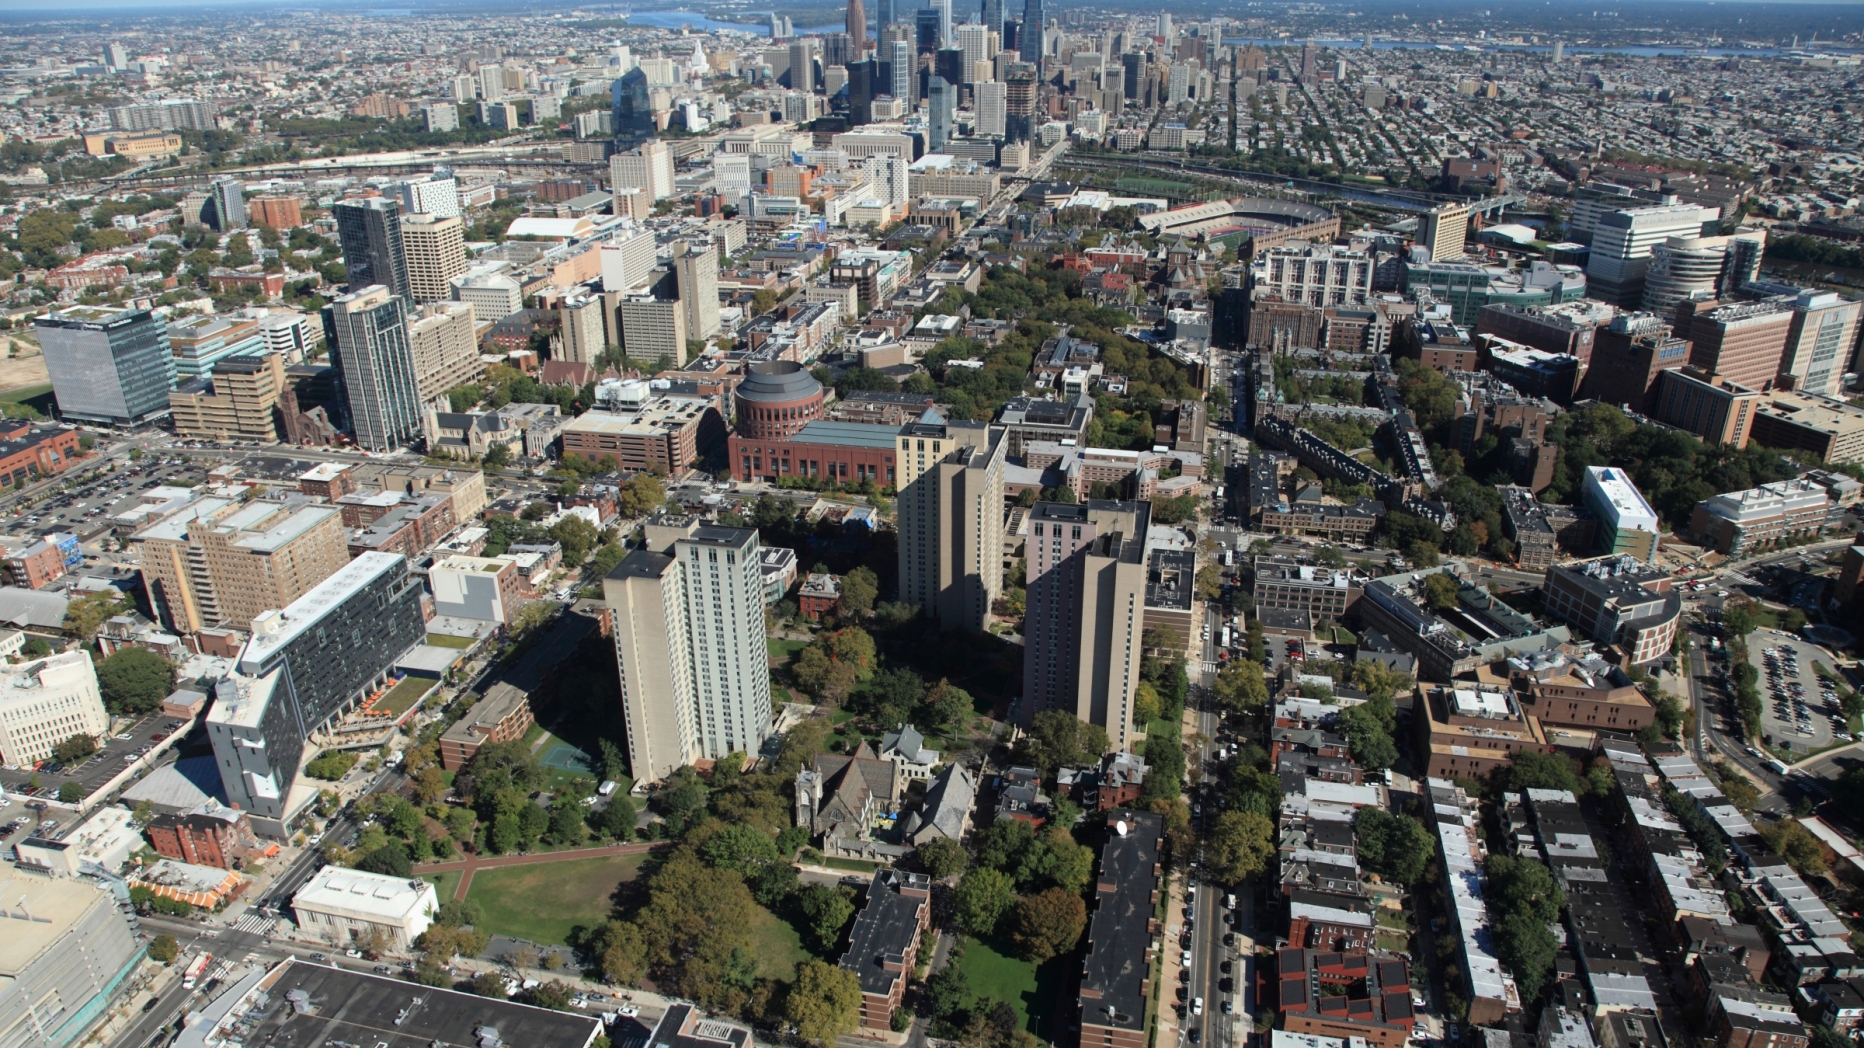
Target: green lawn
<point x="1159" y="727"/>
<point x="404" y="695"/>
<point x="445" y="884"/>
<point x="785" y="650"/>
<point x="1030" y="990"/>
<point x="24" y="393"/>
<point x="542" y="902"/>
<point x="447" y="640"/>
<point x="779" y="946"/>
<point x="851" y="865"/>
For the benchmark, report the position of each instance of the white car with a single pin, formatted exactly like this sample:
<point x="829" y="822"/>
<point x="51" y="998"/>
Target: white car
<point x="1197" y="1006"/>
<point x="628" y="1011"/>
<point x="1185" y="961"/>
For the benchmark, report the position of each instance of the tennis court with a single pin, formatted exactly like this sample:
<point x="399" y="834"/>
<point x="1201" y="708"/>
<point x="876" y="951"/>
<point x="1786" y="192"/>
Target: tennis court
<point x="564" y="757"/>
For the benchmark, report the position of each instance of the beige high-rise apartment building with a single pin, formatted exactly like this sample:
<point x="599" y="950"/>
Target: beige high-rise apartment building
<point x="689" y="640"/>
<point x="239" y="401"/>
<point x="1443" y="231"/>
<point x="581" y="330"/>
<point x="697" y="273"/>
<point x="1087" y="612"/>
<point x="950" y="483"/>
<point x="222" y="562"/>
<point x="435" y="247"/>
<point x="652" y="328"/>
<point x="648" y="168"/>
<point x="442" y="339"/>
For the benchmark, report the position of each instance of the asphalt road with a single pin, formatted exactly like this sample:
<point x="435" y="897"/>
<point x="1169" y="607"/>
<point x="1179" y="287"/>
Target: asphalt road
<point x="1209" y="955"/>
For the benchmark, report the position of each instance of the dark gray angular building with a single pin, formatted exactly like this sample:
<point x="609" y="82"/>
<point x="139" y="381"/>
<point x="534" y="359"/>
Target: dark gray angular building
<point x="112" y="366"/>
<point x="304" y="667"/>
<point x="370" y="232"/>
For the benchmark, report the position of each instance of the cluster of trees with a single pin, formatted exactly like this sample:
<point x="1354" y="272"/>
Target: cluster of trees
<point x="502" y="786"/>
<point x="1396" y="847"/>
<point x="134" y="680"/>
<point x="961" y="1012"/>
<point x="146" y="901"/>
<point x="1026" y="885"/>
<point x="331" y="765"/>
<point x="1368" y="729"/>
<point x="892" y="696"/>
<point x="1523" y="901"/>
<point x="1672" y="469"/>
<point x="1793" y="842"/>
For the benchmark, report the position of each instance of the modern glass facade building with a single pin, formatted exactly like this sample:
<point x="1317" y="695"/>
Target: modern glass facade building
<point x="113" y="366"/>
<point x="367" y="332"/>
<point x="304" y="666"/>
<point x="370" y="232"/>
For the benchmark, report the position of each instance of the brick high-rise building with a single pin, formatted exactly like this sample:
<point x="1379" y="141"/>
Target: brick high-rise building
<point x="1742" y="343"/>
<point x="1711" y="407"/>
<point x="275" y="212"/>
<point x="435" y="249"/>
<point x="223" y="562"/>
<point x="1627" y="357"/>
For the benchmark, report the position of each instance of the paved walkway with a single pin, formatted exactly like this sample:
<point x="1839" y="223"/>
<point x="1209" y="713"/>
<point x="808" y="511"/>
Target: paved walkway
<point x="468" y="866"/>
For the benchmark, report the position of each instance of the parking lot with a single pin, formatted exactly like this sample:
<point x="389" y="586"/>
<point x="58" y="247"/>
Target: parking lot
<point x="147" y="740"/>
<point x="1795" y="708"/>
<point x="85" y="510"/>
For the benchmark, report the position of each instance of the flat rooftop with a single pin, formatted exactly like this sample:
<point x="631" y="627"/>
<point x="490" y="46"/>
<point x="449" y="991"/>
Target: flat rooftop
<point x="310" y="608"/>
<point x="1116" y="968"/>
<point x="337" y="1006"/>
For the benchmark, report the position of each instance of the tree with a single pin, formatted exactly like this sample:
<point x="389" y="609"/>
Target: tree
<point x="617" y="818"/>
<point x="70" y="792"/>
<point x="1379" y="680"/>
<point x="498" y="456"/>
<point x="620" y="952"/>
<point x="942" y="858"/>
<point x="859" y="588"/>
<point x="577" y="537"/>
<point x="947" y="706"/>
<point x="390" y="859"/>
<point x="1239" y="846"/>
<point x="1796" y="844"/>
<point x="1049" y="923"/>
<point x="1395" y="847"/>
<point x="641" y="495"/>
<point x="741" y="848"/>
<point x="135" y="680"/>
<point x="1240" y="685"/>
<point x="163" y="948"/>
<point x="1524" y="885"/>
<point x="1146" y="702"/>
<point x="981" y="898"/>
<point x="948" y="992"/>
<point x="554" y="995"/>
<point x="85" y="615"/>
<point x="73" y="749"/>
<point x="829" y="909"/>
<point x="1440" y="591"/>
<point x="566" y="823"/>
<point x="1533" y="770"/>
<point x="1059" y="739"/>
<point x="824" y="1002"/>
<point x="1527" y="948"/>
<point x="1368" y="728"/>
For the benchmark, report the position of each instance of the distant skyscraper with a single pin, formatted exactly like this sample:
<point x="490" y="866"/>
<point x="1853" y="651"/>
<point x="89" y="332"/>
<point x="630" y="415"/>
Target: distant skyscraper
<point x="926" y="22"/>
<point x="802" y="65"/>
<point x="116" y="56"/>
<point x="990" y="108"/>
<point x="1019" y="102"/>
<point x="648" y="168"/>
<point x="370" y="233"/>
<point x="900" y="72"/>
<point x="993" y="17"/>
<point x="1310" y="56"/>
<point x="857" y="25"/>
<point x="944" y="22"/>
<point x="226" y="205"/>
<point x="1559" y="51"/>
<point x="974" y="40"/>
<point x="1034" y="38"/>
<point x="368" y="332"/>
<point x="1133" y="63"/>
<point x="1165" y="26"/>
<point x="883" y="14"/>
<point x="950" y="509"/>
<point x="863" y="85"/>
<point x="942" y="97"/>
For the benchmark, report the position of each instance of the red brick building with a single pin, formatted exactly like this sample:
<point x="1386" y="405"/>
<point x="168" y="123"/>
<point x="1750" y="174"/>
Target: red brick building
<point x="1354" y="994"/>
<point x="847" y="452"/>
<point x="213" y="836"/>
<point x="818" y="596"/>
<point x="270" y="284"/>
<point x="885" y="941"/>
<point x="26" y="452"/>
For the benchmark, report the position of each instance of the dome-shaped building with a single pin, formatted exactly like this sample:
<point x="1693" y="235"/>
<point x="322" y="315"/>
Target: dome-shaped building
<point x="776" y="400"/>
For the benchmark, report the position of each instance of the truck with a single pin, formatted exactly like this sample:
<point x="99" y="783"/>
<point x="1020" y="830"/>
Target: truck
<point x="194" y="971"/>
<point x="1774" y="765"/>
<point x="1226" y="637"/>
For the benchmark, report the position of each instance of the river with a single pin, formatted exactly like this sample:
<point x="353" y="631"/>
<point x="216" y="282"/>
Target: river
<point x="696" y="21"/>
<point x="1634" y="50"/>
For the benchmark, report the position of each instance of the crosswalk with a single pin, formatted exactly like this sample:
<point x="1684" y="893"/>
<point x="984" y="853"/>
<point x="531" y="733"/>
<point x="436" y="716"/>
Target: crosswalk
<point x="257" y="924"/>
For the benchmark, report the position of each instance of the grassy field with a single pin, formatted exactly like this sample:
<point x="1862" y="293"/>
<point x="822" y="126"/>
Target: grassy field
<point x="445" y="884"/>
<point x="1030" y="990"/>
<point x="447" y="640"/>
<point x="785" y="650"/>
<point x="542" y="902"/>
<point x="779" y="947"/>
<point x="851" y="865"/>
<point x="26" y="393"/>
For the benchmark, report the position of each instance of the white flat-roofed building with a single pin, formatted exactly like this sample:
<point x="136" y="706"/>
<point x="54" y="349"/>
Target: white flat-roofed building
<point x="45" y="702"/>
<point x="484" y="589"/>
<point x="1737" y="521"/>
<point x="1489" y="990"/>
<point x="343" y="905"/>
<point x="1627" y="524"/>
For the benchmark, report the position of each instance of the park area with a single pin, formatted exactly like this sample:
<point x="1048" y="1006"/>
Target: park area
<point x="994" y="971"/>
<point x="543" y="901"/>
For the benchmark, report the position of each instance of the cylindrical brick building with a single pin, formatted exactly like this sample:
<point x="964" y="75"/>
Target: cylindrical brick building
<point x="776" y="399"/>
